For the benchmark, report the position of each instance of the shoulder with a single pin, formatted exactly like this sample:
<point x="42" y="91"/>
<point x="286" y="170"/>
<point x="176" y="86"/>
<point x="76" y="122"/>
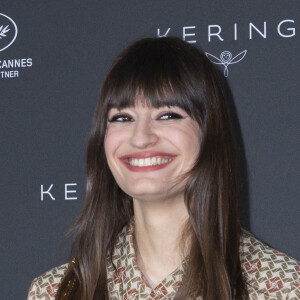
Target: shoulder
<point x="270" y="274"/>
<point x="46" y="285"/>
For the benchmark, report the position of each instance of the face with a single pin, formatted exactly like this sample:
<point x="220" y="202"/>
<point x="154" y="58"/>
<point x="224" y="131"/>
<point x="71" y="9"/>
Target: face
<point x="147" y="149"/>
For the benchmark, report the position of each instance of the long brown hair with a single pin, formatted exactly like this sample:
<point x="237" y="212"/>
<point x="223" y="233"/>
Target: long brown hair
<point x="166" y="71"/>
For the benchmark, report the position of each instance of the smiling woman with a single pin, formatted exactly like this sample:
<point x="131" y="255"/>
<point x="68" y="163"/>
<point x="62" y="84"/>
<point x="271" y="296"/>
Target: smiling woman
<point x="161" y="214"/>
<point x="143" y="139"/>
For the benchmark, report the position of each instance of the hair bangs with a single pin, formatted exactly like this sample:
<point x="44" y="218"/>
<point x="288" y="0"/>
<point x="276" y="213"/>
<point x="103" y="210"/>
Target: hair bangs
<point x="153" y="76"/>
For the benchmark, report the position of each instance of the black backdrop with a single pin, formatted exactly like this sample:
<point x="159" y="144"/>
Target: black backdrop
<point x="50" y="77"/>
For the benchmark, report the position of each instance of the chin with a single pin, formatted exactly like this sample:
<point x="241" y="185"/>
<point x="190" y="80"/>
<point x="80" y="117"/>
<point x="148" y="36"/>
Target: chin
<point x="141" y="193"/>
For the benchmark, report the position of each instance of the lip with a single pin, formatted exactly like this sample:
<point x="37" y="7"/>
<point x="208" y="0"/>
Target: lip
<point x="124" y="160"/>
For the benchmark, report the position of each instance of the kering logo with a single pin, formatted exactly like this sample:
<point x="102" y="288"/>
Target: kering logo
<point x="215" y="32"/>
<point x="68" y="192"/>
<point x="226" y="59"/>
<point x="8" y="31"/>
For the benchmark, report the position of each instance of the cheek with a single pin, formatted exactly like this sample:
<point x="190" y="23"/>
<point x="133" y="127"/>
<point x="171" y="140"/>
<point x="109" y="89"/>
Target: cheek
<point x="194" y="141"/>
<point x="112" y="142"/>
<point x="186" y="139"/>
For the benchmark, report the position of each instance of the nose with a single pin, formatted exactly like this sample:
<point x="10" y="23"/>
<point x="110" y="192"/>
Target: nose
<point x="143" y="134"/>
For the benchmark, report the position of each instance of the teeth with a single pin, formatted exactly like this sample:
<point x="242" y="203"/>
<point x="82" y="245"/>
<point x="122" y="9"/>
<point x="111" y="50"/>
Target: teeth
<point x="153" y="160"/>
<point x="149" y="161"/>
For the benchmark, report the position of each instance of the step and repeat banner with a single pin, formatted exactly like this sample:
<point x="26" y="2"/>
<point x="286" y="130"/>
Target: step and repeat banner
<point x="53" y="58"/>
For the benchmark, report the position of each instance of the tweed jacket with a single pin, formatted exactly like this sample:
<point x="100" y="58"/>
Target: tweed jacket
<point x="269" y="274"/>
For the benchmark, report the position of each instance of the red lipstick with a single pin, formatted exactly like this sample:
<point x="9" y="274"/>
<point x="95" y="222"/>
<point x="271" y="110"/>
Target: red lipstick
<point x="125" y="160"/>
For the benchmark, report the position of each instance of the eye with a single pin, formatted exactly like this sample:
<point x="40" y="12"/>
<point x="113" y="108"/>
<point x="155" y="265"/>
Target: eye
<point x="120" y="118"/>
<point x="170" y="115"/>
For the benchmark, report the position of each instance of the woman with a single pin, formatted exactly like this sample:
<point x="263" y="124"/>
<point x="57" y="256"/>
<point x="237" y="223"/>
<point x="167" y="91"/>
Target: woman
<point x="161" y="214"/>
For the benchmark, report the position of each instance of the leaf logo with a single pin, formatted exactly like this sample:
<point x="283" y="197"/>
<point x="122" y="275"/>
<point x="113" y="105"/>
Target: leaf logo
<point x="8" y="31"/>
<point x="226" y="59"/>
<point x="3" y="31"/>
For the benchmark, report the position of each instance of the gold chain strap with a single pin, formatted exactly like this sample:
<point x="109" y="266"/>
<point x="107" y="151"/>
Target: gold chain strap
<point x="71" y="284"/>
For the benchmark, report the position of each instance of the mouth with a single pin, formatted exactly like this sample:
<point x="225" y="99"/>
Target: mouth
<point x="147" y="161"/>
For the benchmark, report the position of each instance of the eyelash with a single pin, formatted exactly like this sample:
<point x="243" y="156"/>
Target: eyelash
<point x="174" y="116"/>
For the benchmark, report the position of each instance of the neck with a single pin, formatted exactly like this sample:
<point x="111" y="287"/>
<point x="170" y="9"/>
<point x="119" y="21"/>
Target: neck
<point x="158" y="232"/>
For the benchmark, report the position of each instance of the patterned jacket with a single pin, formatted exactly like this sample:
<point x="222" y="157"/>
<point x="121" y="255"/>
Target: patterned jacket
<point x="269" y="273"/>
